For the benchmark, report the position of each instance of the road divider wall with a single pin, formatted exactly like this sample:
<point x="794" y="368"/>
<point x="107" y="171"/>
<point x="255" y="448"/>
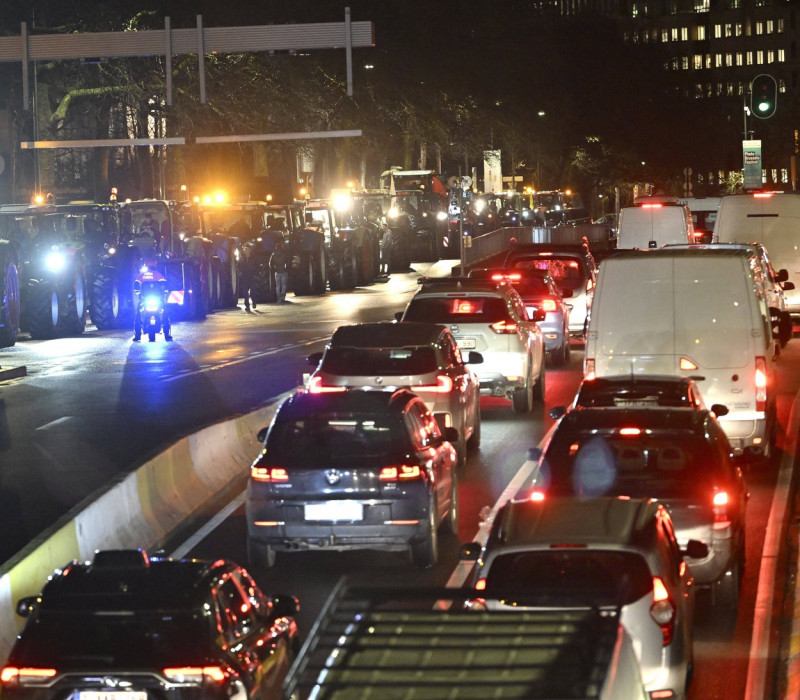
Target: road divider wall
<point x="139" y="510"/>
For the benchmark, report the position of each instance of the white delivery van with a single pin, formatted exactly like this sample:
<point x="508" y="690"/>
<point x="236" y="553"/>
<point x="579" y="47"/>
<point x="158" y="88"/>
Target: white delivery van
<point x="704" y="216"/>
<point x="769" y="218"/>
<point x="690" y="312"/>
<point x="654" y="221"/>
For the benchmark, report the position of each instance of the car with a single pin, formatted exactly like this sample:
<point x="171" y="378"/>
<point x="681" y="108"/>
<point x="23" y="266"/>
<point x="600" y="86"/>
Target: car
<point x="679" y="456"/>
<point x="604" y="553"/>
<point x="352" y="470"/>
<point x="492" y="319"/>
<point x="423" y="357"/>
<point x="128" y="625"/>
<point x="539" y="291"/>
<point x="639" y="391"/>
<point x="572" y="266"/>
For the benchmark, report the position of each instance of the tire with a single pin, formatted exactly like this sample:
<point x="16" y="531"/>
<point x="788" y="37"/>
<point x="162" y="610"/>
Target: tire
<point x="450" y="522"/>
<point x="785" y="329"/>
<point x="260" y="555"/>
<point x="336" y="278"/>
<point x="198" y="301"/>
<point x="350" y="269"/>
<point x="9" y="295"/>
<point x="228" y="278"/>
<point x="73" y="303"/>
<point x="214" y="286"/>
<point x="537" y="390"/>
<point x="425" y="552"/>
<point x="262" y="286"/>
<point x="105" y="304"/>
<point x="366" y="262"/>
<point x="567" y="346"/>
<point x="319" y="269"/>
<point x="558" y="356"/>
<point x="302" y="274"/>
<point x="726" y="589"/>
<point x="461" y="446"/>
<point x="522" y="399"/>
<point x="399" y="254"/>
<point x="474" y="441"/>
<point x="43" y="311"/>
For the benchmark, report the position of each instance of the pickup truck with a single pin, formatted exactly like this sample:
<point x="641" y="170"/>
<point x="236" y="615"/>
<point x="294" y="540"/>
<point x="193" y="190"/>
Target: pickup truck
<point x="431" y="644"/>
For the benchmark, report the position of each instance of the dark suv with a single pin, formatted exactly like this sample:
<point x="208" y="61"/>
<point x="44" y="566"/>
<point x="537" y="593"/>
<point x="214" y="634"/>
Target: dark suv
<point x="679" y="456"/>
<point x="129" y="627"/>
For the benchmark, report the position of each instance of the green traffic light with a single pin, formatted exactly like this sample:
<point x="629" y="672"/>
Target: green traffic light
<point x="763" y="106"/>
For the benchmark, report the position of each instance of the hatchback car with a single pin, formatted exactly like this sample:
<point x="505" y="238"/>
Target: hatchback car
<point x="639" y="391"/>
<point x="572" y="266"/>
<point x="352" y="470"/>
<point x="492" y="319"/>
<point x="423" y="357"/>
<point x="539" y="291"/>
<point x="606" y="553"/>
<point x="679" y="456"/>
<point x="127" y="627"/>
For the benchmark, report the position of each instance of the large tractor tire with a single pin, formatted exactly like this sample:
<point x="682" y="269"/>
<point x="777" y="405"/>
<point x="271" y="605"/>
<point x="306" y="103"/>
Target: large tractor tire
<point x="214" y="285"/>
<point x="262" y="286"/>
<point x="105" y="304"/>
<point x="73" y="302"/>
<point x="337" y="273"/>
<point x="319" y="268"/>
<point x="199" y="293"/>
<point x="43" y="311"/>
<point x="302" y="275"/>
<point x="9" y="296"/>
<point x="228" y="276"/>
<point x="350" y="269"/>
<point x="399" y="253"/>
<point x="367" y="261"/>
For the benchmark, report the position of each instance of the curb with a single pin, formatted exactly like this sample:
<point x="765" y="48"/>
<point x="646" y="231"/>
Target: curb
<point x="139" y="510"/>
<point x="13" y="372"/>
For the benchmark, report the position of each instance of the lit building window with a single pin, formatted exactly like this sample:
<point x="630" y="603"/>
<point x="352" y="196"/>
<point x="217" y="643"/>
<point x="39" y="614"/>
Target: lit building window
<point x="718" y="60"/>
<point x="770" y="27"/>
<point x="674" y="34"/>
<point x="684" y="33"/>
<point x="698" y="90"/>
<point x="708" y="60"/>
<point x="780" y="25"/>
<point x="781" y="56"/>
<point x="701" y="32"/>
<point x="702" y="5"/>
<point x="759" y="57"/>
<point x="784" y="176"/>
<point x="728" y="60"/>
<point x="698" y="61"/>
<point x="730" y="89"/>
<point x="728" y="29"/>
<point x="738" y="29"/>
<point x="749" y="58"/>
<point x="739" y="59"/>
<point x="717" y="31"/>
<point x="770" y="56"/>
<point x="684" y="62"/>
<point x="665" y="35"/>
<point x="759" y="28"/>
<point x="781" y="85"/>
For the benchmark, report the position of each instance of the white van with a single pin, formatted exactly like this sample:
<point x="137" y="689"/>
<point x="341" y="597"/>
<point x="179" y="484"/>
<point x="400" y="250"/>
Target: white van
<point x="704" y="216"/>
<point x="654" y="221"/>
<point x="690" y="312"/>
<point x="770" y="218"/>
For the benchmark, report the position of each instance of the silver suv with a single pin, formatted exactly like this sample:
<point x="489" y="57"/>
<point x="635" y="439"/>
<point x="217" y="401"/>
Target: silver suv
<point x="491" y="319"/>
<point x="423" y="357"/>
<point x="601" y="552"/>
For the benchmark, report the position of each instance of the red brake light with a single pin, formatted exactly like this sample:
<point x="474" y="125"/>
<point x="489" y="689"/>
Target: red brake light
<point x="480" y="584"/>
<point x="25" y="676"/>
<point x="762" y="195"/>
<point x="761" y="383"/>
<point x="268" y="474"/>
<point x="651" y="206"/>
<point x="663" y="611"/>
<point x="536" y="496"/>
<point x="195" y="674"/>
<point x="504" y="327"/>
<point x="444" y="385"/>
<point x="589" y="373"/>
<point x="315" y="386"/>
<point x="686" y="364"/>
<point x="720" y="502"/>
<point x="630" y="431"/>
<point x="404" y="472"/>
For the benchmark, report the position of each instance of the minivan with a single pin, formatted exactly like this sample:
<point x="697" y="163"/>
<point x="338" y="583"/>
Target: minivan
<point x="652" y="222"/>
<point x="692" y="312"/>
<point x="770" y="218"/>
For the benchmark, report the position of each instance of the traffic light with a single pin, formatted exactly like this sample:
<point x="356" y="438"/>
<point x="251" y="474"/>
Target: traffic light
<point x="763" y="96"/>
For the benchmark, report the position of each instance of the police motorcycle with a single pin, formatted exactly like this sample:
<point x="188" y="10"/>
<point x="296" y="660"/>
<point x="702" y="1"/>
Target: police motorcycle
<point x="152" y="290"/>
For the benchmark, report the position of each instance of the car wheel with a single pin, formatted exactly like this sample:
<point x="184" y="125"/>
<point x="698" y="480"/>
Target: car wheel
<point x="558" y="356"/>
<point x="522" y="399"/>
<point x="474" y="441"/>
<point x="425" y="552"/>
<point x="450" y="523"/>
<point x="538" y="388"/>
<point x="567" y="346"/>
<point x="726" y="589"/>
<point x="260" y="555"/>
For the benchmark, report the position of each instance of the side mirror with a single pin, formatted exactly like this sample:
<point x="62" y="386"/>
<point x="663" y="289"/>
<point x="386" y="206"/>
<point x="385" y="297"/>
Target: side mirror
<point x="719" y="409"/>
<point x="557" y="412"/>
<point x="782" y="275"/>
<point x="261" y="435"/>
<point x="314" y="358"/>
<point x="470" y="552"/>
<point x="451" y="434"/>
<point x="539" y="315"/>
<point x="474" y="358"/>
<point x="787" y="286"/>
<point x="695" y="550"/>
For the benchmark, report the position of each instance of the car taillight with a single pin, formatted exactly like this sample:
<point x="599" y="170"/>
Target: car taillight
<point x="444" y="385"/>
<point x="270" y="474"/>
<point x="548" y="305"/>
<point x="720" y="502"/>
<point x="480" y="584"/>
<point x="315" y="386"/>
<point x="404" y="472"/>
<point x="651" y="206"/>
<point x="195" y="674"/>
<point x="589" y="369"/>
<point x="761" y="383"/>
<point x="536" y="496"/>
<point x="686" y="364"/>
<point x="13" y="675"/>
<point x="663" y="611"/>
<point x="504" y="327"/>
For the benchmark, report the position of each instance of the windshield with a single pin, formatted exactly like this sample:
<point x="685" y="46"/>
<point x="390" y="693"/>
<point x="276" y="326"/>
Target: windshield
<point x="471" y="309"/>
<point x="565" y="271"/>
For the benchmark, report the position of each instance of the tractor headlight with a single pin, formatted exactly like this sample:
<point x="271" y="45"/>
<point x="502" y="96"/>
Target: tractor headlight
<point x="55" y="261"/>
<point x="442" y="215"/>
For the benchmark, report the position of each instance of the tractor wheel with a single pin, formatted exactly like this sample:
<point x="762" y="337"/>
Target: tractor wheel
<point x="303" y="274"/>
<point x="73" y="302"/>
<point x="262" y="286"/>
<point x="400" y="254"/>
<point x="104" y="305"/>
<point x="319" y="269"/>
<point x="43" y="310"/>
<point x="9" y="297"/>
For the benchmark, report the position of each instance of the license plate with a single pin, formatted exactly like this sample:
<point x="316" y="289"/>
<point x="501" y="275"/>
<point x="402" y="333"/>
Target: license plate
<point x="111" y="695"/>
<point x="334" y="510"/>
<point x="636" y="403"/>
<point x="466" y="343"/>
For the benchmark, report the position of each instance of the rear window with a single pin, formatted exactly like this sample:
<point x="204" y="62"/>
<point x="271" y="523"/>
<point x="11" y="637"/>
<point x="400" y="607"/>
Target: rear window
<point x="633" y="397"/>
<point x="468" y="309"/>
<point x="379" y="361"/>
<point x="566" y="271"/>
<point x="566" y="575"/>
<point x="313" y="439"/>
<point x="644" y="466"/>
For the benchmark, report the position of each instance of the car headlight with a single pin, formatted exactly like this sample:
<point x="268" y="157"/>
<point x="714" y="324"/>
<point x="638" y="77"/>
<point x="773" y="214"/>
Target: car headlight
<point x="442" y="215"/>
<point x="393" y="213"/>
<point x="55" y="261"/>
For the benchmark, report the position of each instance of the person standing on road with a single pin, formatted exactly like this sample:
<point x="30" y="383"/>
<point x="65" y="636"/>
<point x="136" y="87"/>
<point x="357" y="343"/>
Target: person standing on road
<point x="279" y="264"/>
<point x="246" y="268"/>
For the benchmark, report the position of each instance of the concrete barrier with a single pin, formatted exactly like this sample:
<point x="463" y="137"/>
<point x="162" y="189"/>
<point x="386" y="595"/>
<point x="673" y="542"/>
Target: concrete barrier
<point x="139" y="510"/>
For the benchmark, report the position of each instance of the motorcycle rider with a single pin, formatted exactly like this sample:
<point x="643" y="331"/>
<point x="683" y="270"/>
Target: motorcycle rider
<point x="150" y="281"/>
